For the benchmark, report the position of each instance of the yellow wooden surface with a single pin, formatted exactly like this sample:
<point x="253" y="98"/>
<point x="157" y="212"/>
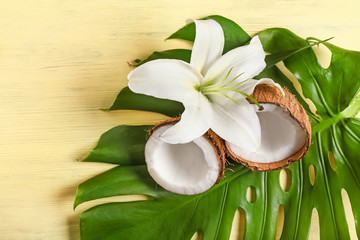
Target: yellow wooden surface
<point x="61" y="60"/>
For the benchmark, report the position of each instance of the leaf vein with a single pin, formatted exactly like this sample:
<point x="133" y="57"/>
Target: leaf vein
<point x="222" y="209"/>
<point x="338" y="148"/>
<point x="339" y="92"/>
<point x="350" y="131"/>
<point x="191" y="216"/>
<point x="301" y="187"/>
<point x="320" y="92"/>
<point x="322" y="162"/>
<point x="265" y="205"/>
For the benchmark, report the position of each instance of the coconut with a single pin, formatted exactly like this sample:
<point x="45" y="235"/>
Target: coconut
<point x="189" y="168"/>
<point x="285" y="132"/>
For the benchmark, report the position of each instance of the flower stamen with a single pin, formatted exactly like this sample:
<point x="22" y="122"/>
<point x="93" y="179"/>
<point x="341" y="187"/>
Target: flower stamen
<point x="232" y="80"/>
<point x="209" y="88"/>
<point x="246" y="95"/>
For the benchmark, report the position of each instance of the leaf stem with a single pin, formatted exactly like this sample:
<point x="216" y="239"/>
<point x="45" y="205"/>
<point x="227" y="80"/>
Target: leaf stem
<point x="349" y="112"/>
<point x="353" y="109"/>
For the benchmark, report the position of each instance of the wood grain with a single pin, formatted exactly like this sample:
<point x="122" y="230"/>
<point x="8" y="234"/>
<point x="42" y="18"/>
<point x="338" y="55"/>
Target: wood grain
<point x="60" y="61"/>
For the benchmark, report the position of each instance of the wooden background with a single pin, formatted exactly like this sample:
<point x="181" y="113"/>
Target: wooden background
<point x="61" y="60"/>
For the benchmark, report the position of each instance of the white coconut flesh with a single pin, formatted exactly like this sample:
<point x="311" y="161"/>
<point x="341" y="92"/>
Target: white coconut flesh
<point x="188" y="169"/>
<point x="281" y="136"/>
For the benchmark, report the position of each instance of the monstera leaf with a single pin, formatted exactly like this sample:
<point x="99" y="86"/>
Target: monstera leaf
<point x="334" y="156"/>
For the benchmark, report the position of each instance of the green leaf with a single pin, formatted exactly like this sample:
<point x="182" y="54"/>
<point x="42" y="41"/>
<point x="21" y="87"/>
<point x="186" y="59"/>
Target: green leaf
<point x="180" y="54"/>
<point x="274" y="58"/>
<point x="333" y="91"/>
<point x="330" y="89"/>
<point x="114" y="148"/>
<point x="124" y="180"/>
<point x="235" y="36"/>
<point x="334" y="155"/>
<point x="135" y="101"/>
<point x="212" y="211"/>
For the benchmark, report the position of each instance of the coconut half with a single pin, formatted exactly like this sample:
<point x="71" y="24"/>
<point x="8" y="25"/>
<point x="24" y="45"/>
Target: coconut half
<point x="285" y="132"/>
<point x="189" y="168"/>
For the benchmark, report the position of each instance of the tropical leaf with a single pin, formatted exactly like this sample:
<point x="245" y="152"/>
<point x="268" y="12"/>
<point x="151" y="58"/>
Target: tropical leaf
<point x="334" y="155"/>
<point x="135" y="101"/>
<point x="235" y="36"/>
<point x="336" y="136"/>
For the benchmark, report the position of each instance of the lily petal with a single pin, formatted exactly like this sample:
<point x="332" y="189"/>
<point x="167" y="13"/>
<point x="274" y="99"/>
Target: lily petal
<point x="165" y="78"/>
<point x="192" y="124"/>
<point x="249" y="86"/>
<point x="237" y="124"/>
<point x="208" y="45"/>
<point x="243" y="62"/>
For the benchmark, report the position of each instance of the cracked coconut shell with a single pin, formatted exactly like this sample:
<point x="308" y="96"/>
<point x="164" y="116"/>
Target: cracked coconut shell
<point x="189" y="168"/>
<point x="285" y="132"/>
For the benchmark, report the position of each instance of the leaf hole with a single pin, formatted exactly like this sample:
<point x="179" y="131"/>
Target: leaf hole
<point x="312" y="174"/>
<point x="297" y="86"/>
<point x="251" y="194"/>
<point x="280" y="222"/>
<point x="285" y="179"/>
<point x="323" y="55"/>
<point x="332" y="161"/>
<point x="238" y="225"/>
<point x="198" y="235"/>
<point x="124" y="198"/>
<point x="314" y="233"/>
<point x="349" y="214"/>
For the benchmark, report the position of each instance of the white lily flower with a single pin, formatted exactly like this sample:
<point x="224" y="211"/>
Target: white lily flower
<point x="213" y="88"/>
